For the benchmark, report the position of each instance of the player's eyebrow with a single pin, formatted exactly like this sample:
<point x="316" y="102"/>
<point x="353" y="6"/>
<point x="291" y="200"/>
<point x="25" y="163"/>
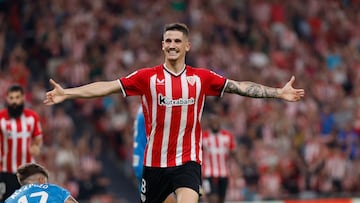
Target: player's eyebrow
<point x="175" y="40"/>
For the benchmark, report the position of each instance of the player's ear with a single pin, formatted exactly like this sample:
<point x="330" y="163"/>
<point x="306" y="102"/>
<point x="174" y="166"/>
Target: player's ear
<point x="188" y="46"/>
<point x="42" y="180"/>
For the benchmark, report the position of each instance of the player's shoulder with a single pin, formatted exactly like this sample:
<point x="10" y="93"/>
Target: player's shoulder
<point x="150" y="69"/>
<point x="201" y="71"/>
<point x="53" y="188"/>
<point x="145" y="71"/>
<point x="196" y="69"/>
<point x="59" y="193"/>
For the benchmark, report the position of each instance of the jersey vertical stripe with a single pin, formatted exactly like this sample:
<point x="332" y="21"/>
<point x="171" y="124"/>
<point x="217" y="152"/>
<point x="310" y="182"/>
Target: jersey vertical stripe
<point x="149" y="148"/>
<point x="183" y="121"/>
<point x="4" y="149"/>
<point x="197" y="117"/>
<point x="199" y="146"/>
<point x="215" y="157"/>
<point x="7" y="164"/>
<point x="226" y="145"/>
<point x="25" y="127"/>
<point x="174" y="117"/>
<point x="28" y="155"/>
<point x="159" y="119"/>
<point x="167" y="120"/>
<point x="20" y="125"/>
<point x="206" y="160"/>
<point x="12" y="161"/>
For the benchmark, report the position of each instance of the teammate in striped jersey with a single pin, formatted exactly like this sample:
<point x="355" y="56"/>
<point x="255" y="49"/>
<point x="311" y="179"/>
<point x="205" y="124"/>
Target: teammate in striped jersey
<point x="20" y="139"/>
<point x="173" y="96"/>
<point x="35" y="188"/>
<point x="218" y="146"/>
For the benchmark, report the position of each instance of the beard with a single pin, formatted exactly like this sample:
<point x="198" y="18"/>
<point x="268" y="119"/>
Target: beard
<point x="15" y="110"/>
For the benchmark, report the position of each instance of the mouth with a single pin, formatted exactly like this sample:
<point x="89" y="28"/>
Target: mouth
<point x="172" y="51"/>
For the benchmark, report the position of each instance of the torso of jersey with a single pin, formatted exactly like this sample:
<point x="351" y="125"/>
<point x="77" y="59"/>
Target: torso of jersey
<point x="217" y="148"/>
<point x="15" y="139"/>
<point x="39" y="193"/>
<point x="172" y="105"/>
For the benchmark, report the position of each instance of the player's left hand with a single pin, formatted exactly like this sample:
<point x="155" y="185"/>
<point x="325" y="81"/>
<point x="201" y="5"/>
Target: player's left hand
<point x="289" y="93"/>
<point x="57" y="95"/>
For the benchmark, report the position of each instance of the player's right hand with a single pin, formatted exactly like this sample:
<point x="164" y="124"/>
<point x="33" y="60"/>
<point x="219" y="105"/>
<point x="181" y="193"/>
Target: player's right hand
<point x="57" y="95"/>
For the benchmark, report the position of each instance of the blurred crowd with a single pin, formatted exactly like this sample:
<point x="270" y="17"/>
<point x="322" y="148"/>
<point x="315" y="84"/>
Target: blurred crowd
<point x="287" y="150"/>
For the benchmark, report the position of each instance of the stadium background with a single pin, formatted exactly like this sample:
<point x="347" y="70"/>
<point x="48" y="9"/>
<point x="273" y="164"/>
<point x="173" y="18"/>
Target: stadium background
<point x="308" y="149"/>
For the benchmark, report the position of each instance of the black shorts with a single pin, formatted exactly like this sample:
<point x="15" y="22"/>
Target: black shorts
<point x="214" y="185"/>
<point x="8" y="184"/>
<point x="158" y="183"/>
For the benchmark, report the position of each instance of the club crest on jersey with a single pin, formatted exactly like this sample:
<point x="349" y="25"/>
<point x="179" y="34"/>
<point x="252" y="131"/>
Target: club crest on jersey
<point x="166" y="101"/>
<point x="191" y="80"/>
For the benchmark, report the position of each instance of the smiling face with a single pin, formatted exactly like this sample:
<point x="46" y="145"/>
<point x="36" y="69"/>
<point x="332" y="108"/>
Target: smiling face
<point x="175" y="45"/>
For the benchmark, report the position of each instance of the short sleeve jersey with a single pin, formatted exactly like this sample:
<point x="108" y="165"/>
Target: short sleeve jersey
<point x="173" y="105"/>
<point x="35" y="193"/>
<point x="15" y="139"/>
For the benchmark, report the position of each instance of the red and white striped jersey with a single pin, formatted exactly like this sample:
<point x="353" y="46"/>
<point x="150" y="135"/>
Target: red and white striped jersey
<point x="173" y="105"/>
<point x="217" y="148"/>
<point x="15" y="139"/>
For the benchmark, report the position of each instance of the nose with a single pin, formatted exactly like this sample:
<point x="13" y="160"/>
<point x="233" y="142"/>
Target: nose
<point x="172" y="44"/>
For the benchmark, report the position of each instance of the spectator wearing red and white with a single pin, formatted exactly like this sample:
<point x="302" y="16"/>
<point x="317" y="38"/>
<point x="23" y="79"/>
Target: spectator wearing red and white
<point x="218" y="146"/>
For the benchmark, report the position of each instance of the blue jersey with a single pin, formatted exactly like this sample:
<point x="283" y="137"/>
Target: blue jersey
<point x="39" y="193"/>
<point x="140" y="141"/>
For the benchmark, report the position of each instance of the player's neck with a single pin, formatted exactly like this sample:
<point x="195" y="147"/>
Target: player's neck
<point x="174" y="68"/>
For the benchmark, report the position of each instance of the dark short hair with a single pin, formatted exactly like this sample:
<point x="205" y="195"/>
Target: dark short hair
<point x="27" y="170"/>
<point x="15" y="88"/>
<point x="177" y="27"/>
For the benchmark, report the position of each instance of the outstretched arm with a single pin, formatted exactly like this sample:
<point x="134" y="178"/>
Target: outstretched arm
<point x="255" y="90"/>
<point x="96" y="89"/>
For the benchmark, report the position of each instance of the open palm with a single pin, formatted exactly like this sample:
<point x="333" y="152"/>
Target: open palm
<point x="57" y="95"/>
<point x="289" y="93"/>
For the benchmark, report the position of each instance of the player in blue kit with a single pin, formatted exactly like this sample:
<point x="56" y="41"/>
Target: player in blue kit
<point x="140" y="141"/>
<point x="35" y="188"/>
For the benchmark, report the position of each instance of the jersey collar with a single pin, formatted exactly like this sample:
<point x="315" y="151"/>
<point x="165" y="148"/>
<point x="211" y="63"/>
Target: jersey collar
<point x="172" y="73"/>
